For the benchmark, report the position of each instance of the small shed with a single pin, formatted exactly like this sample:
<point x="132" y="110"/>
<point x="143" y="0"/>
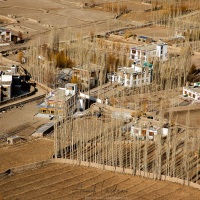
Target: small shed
<point x="145" y="39"/>
<point x="44" y="130"/>
<point x="13" y="140"/>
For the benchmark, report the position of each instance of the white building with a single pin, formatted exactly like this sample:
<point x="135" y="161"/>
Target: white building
<point x="149" y="133"/>
<point x="5" y="35"/>
<point x="5" y="87"/>
<point x="192" y="92"/>
<point x="147" y="52"/>
<point x="132" y="76"/>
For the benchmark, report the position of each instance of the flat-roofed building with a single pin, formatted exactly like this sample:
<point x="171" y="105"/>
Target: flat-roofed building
<point x="192" y="92"/>
<point x="149" y="133"/>
<point x="148" y="52"/>
<point x="132" y="76"/>
<point x="59" y="99"/>
<point x="145" y="39"/>
<point x="5" y="87"/>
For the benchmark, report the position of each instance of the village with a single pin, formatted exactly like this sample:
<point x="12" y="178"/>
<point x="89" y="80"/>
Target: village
<point x="114" y="94"/>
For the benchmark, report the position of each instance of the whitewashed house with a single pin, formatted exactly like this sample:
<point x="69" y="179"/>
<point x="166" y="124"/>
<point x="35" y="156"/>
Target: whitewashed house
<point x="132" y="76"/>
<point x="192" y="92"/>
<point x="149" y="133"/>
<point x="148" y="52"/>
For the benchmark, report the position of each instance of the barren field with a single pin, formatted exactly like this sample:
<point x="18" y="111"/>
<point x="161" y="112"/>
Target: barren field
<point x="21" y="121"/>
<point x="25" y="153"/>
<point x="189" y="118"/>
<point x="62" y="181"/>
<point x="38" y="16"/>
<point x="155" y="32"/>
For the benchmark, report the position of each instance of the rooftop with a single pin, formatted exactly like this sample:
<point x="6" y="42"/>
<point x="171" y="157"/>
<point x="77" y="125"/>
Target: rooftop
<point x="129" y="70"/>
<point x="143" y="37"/>
<point x="45" y="127"/>
<point x="57" y="95"/>
<point x="3" y="29"/>
<point x="193" y="88"/>
<point x="145" y="47"/>
<point x="132" y="70"/>
<point x="148" y="47"/>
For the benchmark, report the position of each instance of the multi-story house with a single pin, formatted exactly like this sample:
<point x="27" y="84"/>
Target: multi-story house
<point x="132" y="76"/>
<point x="57" y="100"/>
<point x="148" y="52"/>
<point x="149" y="132"/>
<point x="192" y="92"/>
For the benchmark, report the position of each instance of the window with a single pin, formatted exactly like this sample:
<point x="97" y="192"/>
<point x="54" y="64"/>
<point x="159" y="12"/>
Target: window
<point x="194" y="96"/>
<point x="143" y="132"/>
<point x="151" y="133"/>
<point x="133" y="51"/>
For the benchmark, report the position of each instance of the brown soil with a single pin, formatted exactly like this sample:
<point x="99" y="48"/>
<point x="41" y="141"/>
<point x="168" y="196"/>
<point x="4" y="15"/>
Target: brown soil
<point x="21" y="121"/>
<point x="62" y="181"/>
<point x="25" y="153"/>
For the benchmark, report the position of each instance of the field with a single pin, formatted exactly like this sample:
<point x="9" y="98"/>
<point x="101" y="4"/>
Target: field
<point x="95" y="31"/>
<point x="24" y="153"/>
<point x="21" y="121"/>
<point x="63" y="181"/>
<point x="41" y="16"/>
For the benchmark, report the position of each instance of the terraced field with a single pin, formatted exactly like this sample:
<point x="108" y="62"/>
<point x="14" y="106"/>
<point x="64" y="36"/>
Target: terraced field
<point x="63" y="181"/>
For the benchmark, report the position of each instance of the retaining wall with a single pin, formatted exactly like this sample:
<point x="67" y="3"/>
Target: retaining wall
<point x="24" y="168"/>
<point x="127" y="171"/>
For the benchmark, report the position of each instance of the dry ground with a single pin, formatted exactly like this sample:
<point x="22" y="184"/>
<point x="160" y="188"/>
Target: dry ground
<point x="155" y="32"/>
<point x="188" y="118"/>
<point x="21" y="121"/>
<point x="56" y="13"/>
<point x="62" y="181"/>
<point x="25" y="153"/>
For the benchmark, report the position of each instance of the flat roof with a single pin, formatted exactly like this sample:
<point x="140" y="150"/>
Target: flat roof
<point x="193" y="88"/>
<point x="144" y="37"/>
<point x="128" y="70"/>
<point x="13" y="137"/>
<point x="3" y="29"/>
<point x="148" y="47"/>
<point x="57" y="95"/>
<point x="45" y="127"/>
